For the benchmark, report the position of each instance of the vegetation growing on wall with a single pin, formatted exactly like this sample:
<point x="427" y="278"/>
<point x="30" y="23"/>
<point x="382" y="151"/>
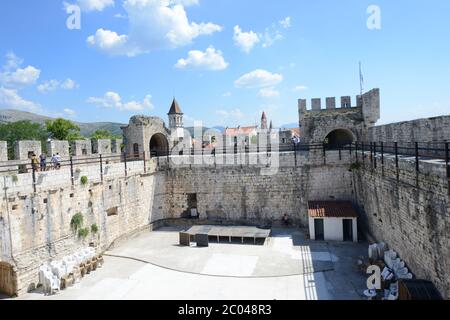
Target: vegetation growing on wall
<point x="354" y="167"/>
<point x="83" y="233"/>
<point x="94" y="228"/>
<point x="77" y="221"/>
<point x="84" y="180"/>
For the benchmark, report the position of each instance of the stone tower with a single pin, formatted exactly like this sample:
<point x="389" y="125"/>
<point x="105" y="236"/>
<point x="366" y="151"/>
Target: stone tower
<point x="264" y="121"/>
<point x="339" y="126"/>
<point x="175" y="116"/>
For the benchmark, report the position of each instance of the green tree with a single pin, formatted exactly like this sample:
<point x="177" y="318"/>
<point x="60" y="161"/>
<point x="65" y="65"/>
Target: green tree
<point x="62" y="129"/>
<point x="103" y="134"/>
<point x="22" y="130"/>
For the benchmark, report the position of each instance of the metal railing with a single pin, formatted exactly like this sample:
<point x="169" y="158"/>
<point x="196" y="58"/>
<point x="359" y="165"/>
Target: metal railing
<point x="362" y="151"/>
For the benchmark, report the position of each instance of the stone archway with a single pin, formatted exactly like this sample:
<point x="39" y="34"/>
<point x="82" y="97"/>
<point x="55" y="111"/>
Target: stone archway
<point x="339" y="138"/>
<point x="8" y="279"/>
<point x="159" y="146"/>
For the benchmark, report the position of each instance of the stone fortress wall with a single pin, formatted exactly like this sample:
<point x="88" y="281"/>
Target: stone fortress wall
<point x="35" y="226"/>
<point x="409" y="210"/>
<point x="24" y="149"/>
<point x="410" y="213"/>
<point x="436" y="129"/>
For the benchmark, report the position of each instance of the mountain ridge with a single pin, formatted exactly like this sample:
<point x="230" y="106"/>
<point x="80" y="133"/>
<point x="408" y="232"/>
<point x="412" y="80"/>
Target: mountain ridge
<point x="86" y="129"/>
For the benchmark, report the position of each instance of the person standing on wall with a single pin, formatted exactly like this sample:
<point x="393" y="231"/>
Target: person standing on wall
<point x="43" y="162"/>
<point x="34" y="162"/>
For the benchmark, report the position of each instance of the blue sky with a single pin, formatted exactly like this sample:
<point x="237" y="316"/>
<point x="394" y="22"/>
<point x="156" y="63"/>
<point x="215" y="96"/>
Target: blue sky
<point x="225" y="60"/>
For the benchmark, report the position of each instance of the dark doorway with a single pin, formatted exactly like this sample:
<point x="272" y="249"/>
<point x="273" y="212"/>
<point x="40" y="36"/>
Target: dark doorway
<point x="136" y="150"/>
<point x="159" y="146"/>
<point x="319" y="229"/>
<point x="347" y="225"/>
<point x="339" y="138"/>
<point x="192" y="205"/>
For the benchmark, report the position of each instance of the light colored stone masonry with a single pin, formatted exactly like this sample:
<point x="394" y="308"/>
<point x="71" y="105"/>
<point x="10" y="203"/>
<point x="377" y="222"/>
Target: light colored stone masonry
<point x="35" y="227"/>
<point x="410" y="214"/>
<point x="435" y="129"/>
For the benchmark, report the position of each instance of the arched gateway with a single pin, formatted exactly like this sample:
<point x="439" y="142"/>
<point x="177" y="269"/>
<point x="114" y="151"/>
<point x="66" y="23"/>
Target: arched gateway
<point x="159" y="146"/>
<point x="339" y="138"/>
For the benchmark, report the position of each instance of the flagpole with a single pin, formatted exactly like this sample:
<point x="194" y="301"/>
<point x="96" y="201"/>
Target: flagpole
<point x="361" y="79"/>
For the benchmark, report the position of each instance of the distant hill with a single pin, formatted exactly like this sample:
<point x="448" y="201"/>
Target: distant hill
<point x="7" y="115"/>
<point x="289" y="125"/>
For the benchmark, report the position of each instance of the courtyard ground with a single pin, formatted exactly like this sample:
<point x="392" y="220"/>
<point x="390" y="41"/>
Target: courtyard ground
<point x="153" y="266"/>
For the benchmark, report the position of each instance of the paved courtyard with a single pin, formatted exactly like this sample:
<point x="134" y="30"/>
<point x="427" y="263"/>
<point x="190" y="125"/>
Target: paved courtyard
<point x="153" y="266"/>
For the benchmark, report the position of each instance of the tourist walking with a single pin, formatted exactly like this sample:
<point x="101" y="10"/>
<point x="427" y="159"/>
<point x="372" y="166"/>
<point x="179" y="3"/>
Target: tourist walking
<point x="43" y="162"/>
<point x="34" y="162"/>
<point x="54" y="162"/>
<point x="58" y="161"/>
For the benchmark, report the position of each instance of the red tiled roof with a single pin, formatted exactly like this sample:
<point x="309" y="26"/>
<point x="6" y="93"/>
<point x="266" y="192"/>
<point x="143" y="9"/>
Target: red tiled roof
<point x="296" y="131"/>
<point x="331" y="209"/>
<point x="240" y="130"/>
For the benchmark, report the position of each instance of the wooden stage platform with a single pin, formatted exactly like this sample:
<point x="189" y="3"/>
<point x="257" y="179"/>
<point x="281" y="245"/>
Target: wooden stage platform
<point x="230" y="232"/>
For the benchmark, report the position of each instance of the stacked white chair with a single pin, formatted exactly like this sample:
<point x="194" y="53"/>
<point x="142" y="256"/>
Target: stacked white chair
<point x="50" y="275"/>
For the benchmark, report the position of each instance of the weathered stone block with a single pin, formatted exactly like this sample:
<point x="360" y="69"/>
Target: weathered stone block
<point x="101" y="146"/>
<point x="58" y="147"/>
<point x="331" y="103"/>
<point x="23" y="150"/>
<point x="116" y="146"/>
<point x="346" y="102"/>
<point x="3" y="151"/>
<point x="316" y="104"/>
<point x="81" y="147"/>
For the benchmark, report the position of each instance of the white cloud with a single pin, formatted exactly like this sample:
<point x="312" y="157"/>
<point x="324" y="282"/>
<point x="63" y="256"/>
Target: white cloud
<point x="186" y="3"/>
<point x="258" y="79"/>
<point x="95" y="5"/>
<point x="10" y="98"/>
<point x="286" y="22"/>
<point x="48" y="86"/>
<point x="211" y="59"/>
<point x="300" y="88"/>
<point x="269" y="92"/>
<point x="245" y="40"/>
<point x="235" y="114"/>
<point x="20" y="77"/>
<point x="69" y="84"/>
<point x="270" y="37"/>
<point x="113" y="100"/>
<point x="12" y="61"/>
<point x="153" y="24"/>
<point x="70" y="112"/>
<point x="112" y="43"/>
<point x="52" y="85"/>
<point x="227" y="94"/>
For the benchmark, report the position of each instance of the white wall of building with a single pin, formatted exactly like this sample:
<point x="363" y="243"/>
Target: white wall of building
<point x="333" y="229"/>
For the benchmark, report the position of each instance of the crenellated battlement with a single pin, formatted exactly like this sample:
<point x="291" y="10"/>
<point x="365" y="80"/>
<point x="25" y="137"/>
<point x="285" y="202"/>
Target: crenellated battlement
<point x="23" y="150"/>
<point x="316" y="105"/>
<point x="355" y="115"/>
